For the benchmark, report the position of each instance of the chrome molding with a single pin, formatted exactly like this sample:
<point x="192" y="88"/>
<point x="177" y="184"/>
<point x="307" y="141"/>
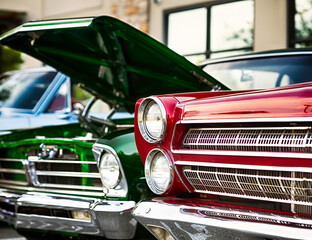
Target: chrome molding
<point x="246" y="120"/>
<point x="68" y="174"/>
<point x="249" y="139"/>
<point x="121" y="190"/>
<point x="243" y="166"/>
<point x="184" y="220"/>
<point x="247" y="154"/>
<point x="242" y="141"/>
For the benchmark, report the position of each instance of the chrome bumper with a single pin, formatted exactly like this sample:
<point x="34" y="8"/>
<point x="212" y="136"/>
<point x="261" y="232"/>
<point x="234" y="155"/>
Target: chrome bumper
<point x="111" y="219"/>
<point x="186" y="220"/>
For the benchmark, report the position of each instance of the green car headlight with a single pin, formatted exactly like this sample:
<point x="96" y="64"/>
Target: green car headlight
<point x="109" y="170"/>
<point x="152" y="120"/>
<point x="158" y="171"/>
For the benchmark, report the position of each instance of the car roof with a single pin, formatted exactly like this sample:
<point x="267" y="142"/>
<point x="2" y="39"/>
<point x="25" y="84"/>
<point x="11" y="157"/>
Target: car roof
<point x="275" y="53"/>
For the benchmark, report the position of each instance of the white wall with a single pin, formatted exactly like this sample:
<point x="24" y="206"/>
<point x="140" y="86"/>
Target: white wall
<point x="270" y="15"/>
<point x="270" y="21"/>
<point x="270" y="24"/>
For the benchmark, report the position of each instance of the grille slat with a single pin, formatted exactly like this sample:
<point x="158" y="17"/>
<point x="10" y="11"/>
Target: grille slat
<point x="249" y="139"/>
<point x="270" y="185"/>
<point x="66" y="171"/>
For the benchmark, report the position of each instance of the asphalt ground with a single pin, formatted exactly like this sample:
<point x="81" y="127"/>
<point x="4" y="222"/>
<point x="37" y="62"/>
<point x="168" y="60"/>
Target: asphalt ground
<point x="7" y="233"/>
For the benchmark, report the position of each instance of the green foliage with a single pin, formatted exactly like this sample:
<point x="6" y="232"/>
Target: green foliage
<point x="303" y="22"/>
<point x="10" y="59"/>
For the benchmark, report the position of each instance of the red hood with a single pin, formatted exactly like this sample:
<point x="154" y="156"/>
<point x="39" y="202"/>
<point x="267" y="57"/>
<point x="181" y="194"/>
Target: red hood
<point x="291" y="101"/>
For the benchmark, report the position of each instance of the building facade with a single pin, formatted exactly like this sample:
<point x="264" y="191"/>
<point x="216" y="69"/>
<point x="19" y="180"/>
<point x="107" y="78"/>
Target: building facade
<point x="197" y="29"/>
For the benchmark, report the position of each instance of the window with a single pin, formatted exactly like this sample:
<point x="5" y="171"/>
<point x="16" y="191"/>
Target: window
<point x="300" y="23"/>
<point x="261" y="73"/>
<point x="203" y="31"/>
<point x="22" y="89"/>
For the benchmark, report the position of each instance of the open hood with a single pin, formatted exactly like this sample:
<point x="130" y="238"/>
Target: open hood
<point x="113" y="60"/>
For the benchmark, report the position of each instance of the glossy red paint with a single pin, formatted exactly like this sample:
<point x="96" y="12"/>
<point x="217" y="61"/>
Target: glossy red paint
<point x="285" y="102"/>
<point x="174" y="104"/>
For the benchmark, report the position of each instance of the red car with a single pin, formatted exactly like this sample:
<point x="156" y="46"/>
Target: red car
<point x="230" y="164"/>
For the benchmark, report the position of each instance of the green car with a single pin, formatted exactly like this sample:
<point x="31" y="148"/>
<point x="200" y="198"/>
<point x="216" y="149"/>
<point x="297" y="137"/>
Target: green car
<point x="85" y="179"/>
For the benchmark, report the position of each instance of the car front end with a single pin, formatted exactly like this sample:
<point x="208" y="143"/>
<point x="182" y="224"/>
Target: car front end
<point x="233" y="165"/>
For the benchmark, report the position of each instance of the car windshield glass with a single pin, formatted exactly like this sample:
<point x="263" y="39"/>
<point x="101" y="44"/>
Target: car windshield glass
<point x="262" y="73"/>
<point x="23" y="89"/>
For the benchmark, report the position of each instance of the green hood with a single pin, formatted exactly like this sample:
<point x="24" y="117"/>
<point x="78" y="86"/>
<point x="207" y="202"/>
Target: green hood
<point x="111" y="59"/>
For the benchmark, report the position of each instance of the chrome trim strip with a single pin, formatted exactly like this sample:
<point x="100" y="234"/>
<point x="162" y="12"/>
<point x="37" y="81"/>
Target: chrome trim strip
<point x="194" y="220"/>
<point x="11" y="159"/>
<point x="253" y="128"/>
<point x="55" y="191"/>
<point x="61" y="161"/>
<point x="8" y="170"/>
<point x="125" y="125"/>
<point x="81" y="193"/>
<point x="246" y="120"/>
<point x="66" y="186"/>
<point x="246" y="154"/>
<point x="68" y="174"/>
<point x="13" y="182"/>
<point x="253" y="167"/>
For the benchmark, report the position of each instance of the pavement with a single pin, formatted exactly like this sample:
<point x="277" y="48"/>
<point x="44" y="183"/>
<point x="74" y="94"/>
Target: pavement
<point x="7" y="233"/>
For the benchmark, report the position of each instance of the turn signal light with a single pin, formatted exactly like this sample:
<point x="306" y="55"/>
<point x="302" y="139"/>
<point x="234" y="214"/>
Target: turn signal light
<point x="81" y="215"/>
<point x="160" y="232"/>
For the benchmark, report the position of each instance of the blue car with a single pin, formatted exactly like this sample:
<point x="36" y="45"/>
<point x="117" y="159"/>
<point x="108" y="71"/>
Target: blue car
<point x="35" y="97"/>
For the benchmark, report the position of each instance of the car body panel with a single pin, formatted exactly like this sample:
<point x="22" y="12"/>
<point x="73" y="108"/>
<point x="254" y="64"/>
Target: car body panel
<point x="55" y="170"/>
<point x="19" y="118"/>
<point x="119" y="58"/>
<point x="241" y="163"/>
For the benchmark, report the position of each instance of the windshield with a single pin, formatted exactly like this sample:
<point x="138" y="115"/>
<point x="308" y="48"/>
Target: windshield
<point x="262" y="73"/>
<point x="23" y="89"/>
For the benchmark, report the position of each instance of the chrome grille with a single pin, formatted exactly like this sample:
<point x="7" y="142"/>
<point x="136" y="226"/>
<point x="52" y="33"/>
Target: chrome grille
<point x="12" y="172"/>
<point x="279" y="186"/>
<point x="66" y="173"/>
<point x="288" y="139"/>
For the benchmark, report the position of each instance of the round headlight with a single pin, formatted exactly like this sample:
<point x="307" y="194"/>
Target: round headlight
<point x="109" y="170"/>
<point x="158" y="171"/>
<point x="152" y="120"/>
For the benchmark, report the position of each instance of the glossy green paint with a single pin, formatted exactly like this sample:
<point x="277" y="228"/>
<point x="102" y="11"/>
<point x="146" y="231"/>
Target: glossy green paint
<point x="110" y="58"/>
<point x="18" y="144"/>
<point x="124" y="144"/>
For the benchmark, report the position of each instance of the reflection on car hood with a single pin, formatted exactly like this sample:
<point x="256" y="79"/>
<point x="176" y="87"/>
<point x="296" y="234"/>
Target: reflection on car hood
<point x="111" y="59"/>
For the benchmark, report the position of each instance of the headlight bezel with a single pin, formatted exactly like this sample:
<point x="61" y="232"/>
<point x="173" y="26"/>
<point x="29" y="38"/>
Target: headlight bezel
<point x="121" y="190"/>
<point x="142" y="123"/>
<point x="147" y="170"/>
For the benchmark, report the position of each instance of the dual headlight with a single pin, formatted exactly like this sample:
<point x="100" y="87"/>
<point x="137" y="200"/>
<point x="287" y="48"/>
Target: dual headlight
<point x="158" y="171"/>
<point x="152" y="120"/>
